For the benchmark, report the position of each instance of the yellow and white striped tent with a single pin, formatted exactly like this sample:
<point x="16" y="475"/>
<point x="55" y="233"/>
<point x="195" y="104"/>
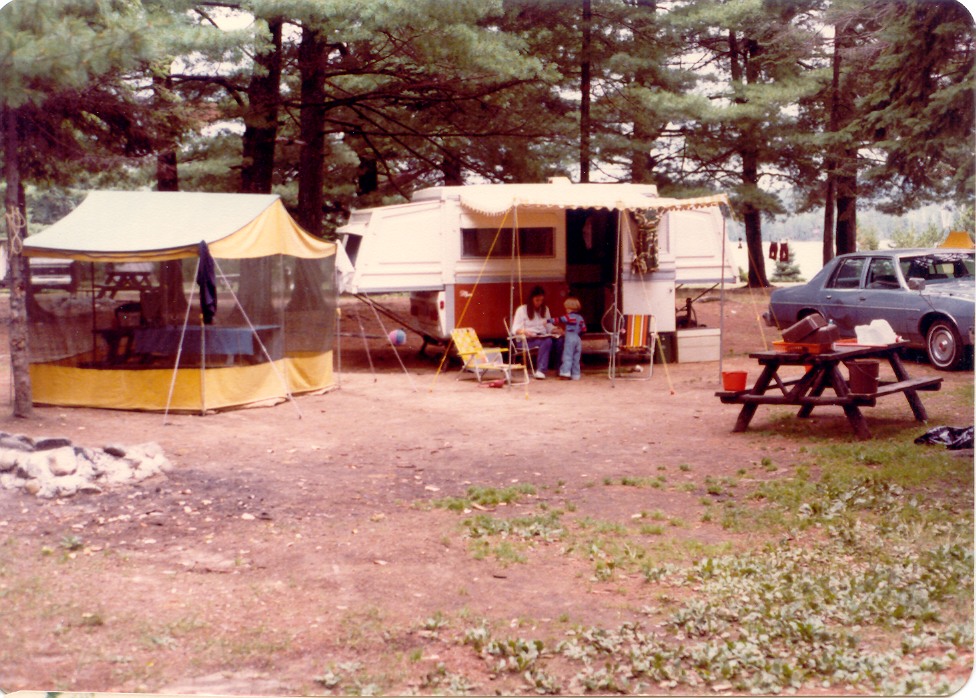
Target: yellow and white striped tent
<point x="129" y="334"/>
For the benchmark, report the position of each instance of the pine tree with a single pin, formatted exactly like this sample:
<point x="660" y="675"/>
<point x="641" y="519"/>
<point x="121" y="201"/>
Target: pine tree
<point x="787" y="271"/>
<point x="741" y="130"/>
<point x="61" y="92"/>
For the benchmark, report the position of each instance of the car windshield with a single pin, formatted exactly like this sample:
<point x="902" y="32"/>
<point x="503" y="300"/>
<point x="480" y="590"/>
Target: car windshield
<point x="938" y="266"/>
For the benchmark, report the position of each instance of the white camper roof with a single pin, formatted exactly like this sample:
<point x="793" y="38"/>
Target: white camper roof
<point x="496" y="199"/>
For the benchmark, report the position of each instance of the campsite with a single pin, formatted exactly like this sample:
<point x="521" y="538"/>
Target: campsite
<point x="238" y="456"/>
<point x="408" y="532"/>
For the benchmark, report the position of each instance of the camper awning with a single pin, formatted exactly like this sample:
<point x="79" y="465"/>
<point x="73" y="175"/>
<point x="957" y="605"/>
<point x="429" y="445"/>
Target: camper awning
<point x="495" y="201"/>
<point x="158" y="226"/>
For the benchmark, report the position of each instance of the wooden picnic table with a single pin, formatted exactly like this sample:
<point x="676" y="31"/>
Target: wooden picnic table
<point x="807" y="391"/>
<point x="124" y="280"/>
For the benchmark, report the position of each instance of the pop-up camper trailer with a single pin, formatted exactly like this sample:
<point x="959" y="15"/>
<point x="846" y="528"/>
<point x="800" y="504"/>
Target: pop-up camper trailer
<point x="132" y="334"/>
<point x="453" y="249"/>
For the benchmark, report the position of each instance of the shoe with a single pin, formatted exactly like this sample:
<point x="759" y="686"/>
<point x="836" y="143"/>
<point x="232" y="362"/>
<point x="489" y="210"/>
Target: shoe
<point x="539" y="375"/>
<point x="563" y="377"/>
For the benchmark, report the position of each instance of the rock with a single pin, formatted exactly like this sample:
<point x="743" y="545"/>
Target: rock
<point x="56" y="468"/>
<point x="150" y="449"/>
<point x="9" y="481"/>
<point x="102" y="463"/>
<point x="34" y="466"/>
<point x="16" y="443"/>
<point x="118" y="471"/>
<point x="67" y="485"/>
<point x="115" y="450"/>
<point x="9" y="458"/>
<point x="62" y="461"/>
<point x="51" y="442"/>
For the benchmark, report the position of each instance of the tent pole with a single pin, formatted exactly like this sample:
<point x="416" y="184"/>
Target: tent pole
<point x="257" y="338"/>
<point x="94" y="311"/>
<point x="179" y="348"/>
<point x="721" y="303"/>
<point x="396" y="353"/>
<point x="203" y="367"/>
<point x="338" y="343"/>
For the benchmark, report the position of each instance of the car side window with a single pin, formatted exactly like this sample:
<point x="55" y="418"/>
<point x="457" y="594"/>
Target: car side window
<point x="881" y="273"/>
<point x="848" y="274"/>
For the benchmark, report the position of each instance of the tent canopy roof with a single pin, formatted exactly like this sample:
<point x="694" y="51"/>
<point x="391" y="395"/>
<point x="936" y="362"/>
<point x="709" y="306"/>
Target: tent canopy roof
<point x="959" y="239"/>
<point x="157" y="226"/>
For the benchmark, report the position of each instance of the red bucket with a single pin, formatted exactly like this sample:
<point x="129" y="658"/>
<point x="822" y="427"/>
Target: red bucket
<point x="734" y="380"/>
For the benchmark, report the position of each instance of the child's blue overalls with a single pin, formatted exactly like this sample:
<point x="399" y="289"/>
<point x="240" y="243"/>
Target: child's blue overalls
<point x="573" y="345"/>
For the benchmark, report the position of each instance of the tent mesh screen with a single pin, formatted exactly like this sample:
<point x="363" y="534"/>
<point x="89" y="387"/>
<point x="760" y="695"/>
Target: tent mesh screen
<point x="138" y="315"/>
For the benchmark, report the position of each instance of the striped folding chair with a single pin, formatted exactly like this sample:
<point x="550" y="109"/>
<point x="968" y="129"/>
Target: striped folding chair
<point x="635" y="339"/>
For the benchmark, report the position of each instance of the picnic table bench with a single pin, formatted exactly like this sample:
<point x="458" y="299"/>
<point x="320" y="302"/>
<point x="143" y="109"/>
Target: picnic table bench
<point x="126" y="277"/>
<point x="823" y="372"/>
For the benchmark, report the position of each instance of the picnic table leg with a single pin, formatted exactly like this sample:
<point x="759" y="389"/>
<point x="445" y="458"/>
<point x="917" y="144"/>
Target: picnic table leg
<point x="749" y="409"/>
<point x="852" y="411"/>
<point x="914" y="401"/>
<point x="820" y="382"/>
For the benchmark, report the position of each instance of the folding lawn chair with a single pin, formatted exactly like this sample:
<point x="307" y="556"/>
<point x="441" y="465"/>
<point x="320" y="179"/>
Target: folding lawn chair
<point x="479" y="360"/>
<point x="518" y="346"/>
<point x="637" y="338"/>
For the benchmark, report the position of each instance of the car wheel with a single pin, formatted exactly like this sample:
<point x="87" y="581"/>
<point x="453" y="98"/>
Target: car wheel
<point x="944" y="346"/>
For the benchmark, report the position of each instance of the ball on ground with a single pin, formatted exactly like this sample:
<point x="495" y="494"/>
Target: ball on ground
<point x="398" y="338"/>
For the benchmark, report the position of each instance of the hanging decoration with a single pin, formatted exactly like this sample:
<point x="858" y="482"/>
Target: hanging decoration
<point x="646" y="241"/>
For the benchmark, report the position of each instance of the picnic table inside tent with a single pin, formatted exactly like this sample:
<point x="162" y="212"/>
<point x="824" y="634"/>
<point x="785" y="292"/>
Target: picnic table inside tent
<point x="134" y="334"/>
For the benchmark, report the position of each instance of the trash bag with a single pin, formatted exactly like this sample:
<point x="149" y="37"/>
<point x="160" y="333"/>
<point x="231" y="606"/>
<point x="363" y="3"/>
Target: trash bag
<point x="953" y="438"/>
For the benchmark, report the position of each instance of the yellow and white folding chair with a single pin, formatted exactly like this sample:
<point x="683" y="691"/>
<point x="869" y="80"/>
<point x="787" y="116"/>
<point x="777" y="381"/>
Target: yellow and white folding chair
<point x="480" y="360"/>
<point x="635" y="336"/>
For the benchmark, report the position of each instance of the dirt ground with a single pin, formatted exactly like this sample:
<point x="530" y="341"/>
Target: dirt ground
<point x="292" y="543"/>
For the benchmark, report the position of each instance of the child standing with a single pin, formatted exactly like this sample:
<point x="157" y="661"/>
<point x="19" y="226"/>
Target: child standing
<point x="575" y="326"/>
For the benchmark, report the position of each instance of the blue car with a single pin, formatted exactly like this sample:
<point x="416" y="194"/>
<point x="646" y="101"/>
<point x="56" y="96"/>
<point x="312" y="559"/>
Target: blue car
<point x="926" y="295"/>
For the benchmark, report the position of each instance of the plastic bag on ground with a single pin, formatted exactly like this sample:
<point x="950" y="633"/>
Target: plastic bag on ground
<point x="953" y="438"/>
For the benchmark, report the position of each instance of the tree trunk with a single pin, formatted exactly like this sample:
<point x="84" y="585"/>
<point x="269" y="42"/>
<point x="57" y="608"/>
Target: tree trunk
<point x="261" y="117"/>
<point x="749" y="152"/>
<point x="18" y="273"/>
<point x="311" y="57"/>
<point x="172" y="299"/>
<point x="846" y="214"/>
<point x="830" y="162"/>
<point x="453" y="174"/>
<point x="586" y="56"/>
<point x="257" y="165"/>
<point x="846" y="179"/>
<point x="642" y="160"/>
<point x="830" y="201"/>
<point x="311" y="64"/>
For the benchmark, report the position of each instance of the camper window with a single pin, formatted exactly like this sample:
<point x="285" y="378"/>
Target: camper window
<point x="532" y="242"/>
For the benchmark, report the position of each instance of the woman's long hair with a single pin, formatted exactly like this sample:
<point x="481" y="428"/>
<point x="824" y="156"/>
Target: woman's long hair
<point x="530" y="306"/>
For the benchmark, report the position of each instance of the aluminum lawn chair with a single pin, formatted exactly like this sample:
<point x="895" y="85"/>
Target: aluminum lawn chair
<point x="480" y="360"/>
<point x="634" y="336"/>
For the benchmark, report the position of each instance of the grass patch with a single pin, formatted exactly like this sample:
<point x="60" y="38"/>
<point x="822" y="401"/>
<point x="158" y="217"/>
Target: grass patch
<point x="486" y="497"/>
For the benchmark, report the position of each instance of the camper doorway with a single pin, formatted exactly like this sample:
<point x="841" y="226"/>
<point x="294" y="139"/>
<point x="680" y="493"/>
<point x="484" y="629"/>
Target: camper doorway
<point x="591" y="258"/>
